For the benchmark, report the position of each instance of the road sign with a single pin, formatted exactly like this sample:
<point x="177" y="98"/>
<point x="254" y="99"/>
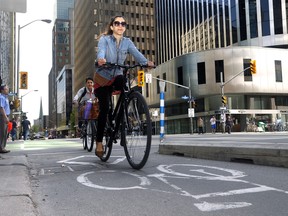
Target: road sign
<point x="191" y="112"/>
<point x="148" y="78"/>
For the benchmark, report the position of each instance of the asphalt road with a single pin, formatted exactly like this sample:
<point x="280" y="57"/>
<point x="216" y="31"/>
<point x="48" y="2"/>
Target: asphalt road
<point x="66" y="180"/>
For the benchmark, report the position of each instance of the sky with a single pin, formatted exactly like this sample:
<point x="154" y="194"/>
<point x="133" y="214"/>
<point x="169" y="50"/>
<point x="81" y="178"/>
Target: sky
<point x="36" y="55"/>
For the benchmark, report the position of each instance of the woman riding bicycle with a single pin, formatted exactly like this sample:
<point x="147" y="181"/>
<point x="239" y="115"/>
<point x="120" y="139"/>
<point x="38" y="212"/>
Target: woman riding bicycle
<point x="113" y="47"/>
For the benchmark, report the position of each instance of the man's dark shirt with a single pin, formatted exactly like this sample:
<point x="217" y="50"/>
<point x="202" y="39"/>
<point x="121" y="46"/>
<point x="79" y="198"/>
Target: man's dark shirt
<point x="25" y="124"/>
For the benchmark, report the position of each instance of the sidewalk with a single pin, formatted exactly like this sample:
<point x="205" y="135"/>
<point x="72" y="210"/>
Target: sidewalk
<point x="275" y="154"/>
<point x="15" y="190"/>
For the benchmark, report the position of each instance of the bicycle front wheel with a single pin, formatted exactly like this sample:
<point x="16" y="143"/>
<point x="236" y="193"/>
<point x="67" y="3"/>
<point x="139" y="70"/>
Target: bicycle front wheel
<point x="107" y="142"/>
<point x="136" y="131"/>
<point x="90" y="134"/>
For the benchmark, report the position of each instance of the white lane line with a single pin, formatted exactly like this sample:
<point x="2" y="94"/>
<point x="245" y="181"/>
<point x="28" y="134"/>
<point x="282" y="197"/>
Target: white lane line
<point x="70" y="168"/>
<point x="236" y="192"/>
<point x="207" y="207"/>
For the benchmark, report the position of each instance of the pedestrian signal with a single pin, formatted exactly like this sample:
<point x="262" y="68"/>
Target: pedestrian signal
<point x="253" y="66"/>
<point x="23" y="80"/>
<point x="141" y="79"/>
<point x="224" y="100"/>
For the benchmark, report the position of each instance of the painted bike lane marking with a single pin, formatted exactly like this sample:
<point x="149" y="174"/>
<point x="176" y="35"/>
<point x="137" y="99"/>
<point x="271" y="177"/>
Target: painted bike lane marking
<point x="167" y="172"/>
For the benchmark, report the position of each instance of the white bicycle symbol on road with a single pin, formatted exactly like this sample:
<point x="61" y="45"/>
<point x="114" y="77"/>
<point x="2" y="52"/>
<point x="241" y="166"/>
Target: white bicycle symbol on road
<point x="166" y="173"/>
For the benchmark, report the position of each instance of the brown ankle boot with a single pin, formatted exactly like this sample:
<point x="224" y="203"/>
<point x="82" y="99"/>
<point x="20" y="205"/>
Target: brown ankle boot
<point x="99" y="149"/>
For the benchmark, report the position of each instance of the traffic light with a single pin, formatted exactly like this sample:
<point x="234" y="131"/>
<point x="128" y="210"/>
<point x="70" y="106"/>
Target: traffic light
<point x="253" y="66"/>
<point x="141" y="78"/>
<point x="16" y="103"/>
<point x="224" y="100"/>
<point x="23" y="80"/>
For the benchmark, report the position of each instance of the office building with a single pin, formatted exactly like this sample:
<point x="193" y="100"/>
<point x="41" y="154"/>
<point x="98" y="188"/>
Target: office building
<point x="197" y="41"/>
<point x="7" y="49"/>
<point x="61" y="55"/>
<point x="91" y="19"/>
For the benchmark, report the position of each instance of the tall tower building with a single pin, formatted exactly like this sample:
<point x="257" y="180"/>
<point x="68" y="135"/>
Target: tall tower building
<point x="61" y="55"/>
<point x="7" y="49"/>
<point x="91" y="19"/>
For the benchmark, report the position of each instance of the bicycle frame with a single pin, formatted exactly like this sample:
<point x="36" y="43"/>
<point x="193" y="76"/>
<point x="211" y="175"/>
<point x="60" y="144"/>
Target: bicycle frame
<point x="116" y="114"/>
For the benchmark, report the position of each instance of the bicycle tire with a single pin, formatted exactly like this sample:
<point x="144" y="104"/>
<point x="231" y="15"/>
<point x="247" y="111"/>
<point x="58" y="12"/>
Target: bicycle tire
<point x="90" y="134"/>
<point x="136" y="131"/>
<point x="84" y="142"/>
<point x="84" y="137"/>
<point x="107" y="142"/>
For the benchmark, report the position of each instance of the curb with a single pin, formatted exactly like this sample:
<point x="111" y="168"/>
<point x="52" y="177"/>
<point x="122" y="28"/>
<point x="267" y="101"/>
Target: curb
<point x="276" y="156"/>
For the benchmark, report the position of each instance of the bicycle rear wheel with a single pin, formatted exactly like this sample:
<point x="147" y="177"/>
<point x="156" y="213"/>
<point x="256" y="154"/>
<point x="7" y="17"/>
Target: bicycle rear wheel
<point x="137" y="131"/>
<point x="90" y="134"/>
<point x="84" y="142"/>
<point x="107" y="142"/>
<point x="83" y="136"/>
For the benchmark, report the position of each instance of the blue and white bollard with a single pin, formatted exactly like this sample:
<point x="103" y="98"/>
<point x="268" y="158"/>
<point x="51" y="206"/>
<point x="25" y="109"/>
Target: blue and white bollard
<point x="162" y="111"/>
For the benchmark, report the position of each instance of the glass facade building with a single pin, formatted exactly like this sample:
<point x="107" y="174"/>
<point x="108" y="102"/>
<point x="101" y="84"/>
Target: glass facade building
<point x="61" y="8"/>
<point x="61" y="53"/>
<point x="198" y="40"/>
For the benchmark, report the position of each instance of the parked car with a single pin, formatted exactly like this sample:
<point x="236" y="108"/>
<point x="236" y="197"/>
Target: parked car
<point x="38" y="135"/>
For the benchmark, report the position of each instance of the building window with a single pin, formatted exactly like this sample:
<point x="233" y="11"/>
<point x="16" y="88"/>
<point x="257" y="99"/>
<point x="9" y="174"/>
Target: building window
<point x="253" y="19"/>
<point x="277" y="9"/>
<point x="180" y="76"/>
<point x="247" y="73"/>
<point x="242" y="18"/>
<point x="147" y="90"/>
<point x="265" y="17"/>
<point x="164" y="78"/>
<point x="201" y="73"/>
<point x="234" y="21"/>
<point x="219" y="68"/>
<point x="158" y="86"/>
<point x="278" y="71"/>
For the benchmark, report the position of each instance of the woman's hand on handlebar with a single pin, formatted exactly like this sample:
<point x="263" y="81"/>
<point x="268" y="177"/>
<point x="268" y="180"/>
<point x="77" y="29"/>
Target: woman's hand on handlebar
<point x="101" y="62"/>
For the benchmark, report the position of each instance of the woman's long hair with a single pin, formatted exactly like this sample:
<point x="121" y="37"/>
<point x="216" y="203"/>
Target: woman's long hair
<point x="108" y="29"/>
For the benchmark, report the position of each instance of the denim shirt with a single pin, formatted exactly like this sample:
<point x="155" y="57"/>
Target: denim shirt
<point x="4" y="103"/>
<point x="107" y="48"/>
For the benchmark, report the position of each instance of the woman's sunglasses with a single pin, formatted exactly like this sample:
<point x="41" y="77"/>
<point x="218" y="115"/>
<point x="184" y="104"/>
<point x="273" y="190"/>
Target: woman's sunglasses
<point x="117" y="23"/>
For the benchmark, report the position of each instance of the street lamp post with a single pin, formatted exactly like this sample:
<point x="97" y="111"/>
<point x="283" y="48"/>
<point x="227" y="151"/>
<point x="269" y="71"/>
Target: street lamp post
<point x="22" y="99"/>
<point x="18" y="52"/>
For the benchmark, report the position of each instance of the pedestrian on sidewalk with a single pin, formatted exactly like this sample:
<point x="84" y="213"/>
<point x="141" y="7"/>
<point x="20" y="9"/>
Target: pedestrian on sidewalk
<point x="26" y="126"/>
<point x="213" y="124"/>
<point x="200" y="125"/>
<point x="4" y="120"/>
<point x="229" y="124"/>
<point x="222" y="122"/>
<point x="14" y="129"/>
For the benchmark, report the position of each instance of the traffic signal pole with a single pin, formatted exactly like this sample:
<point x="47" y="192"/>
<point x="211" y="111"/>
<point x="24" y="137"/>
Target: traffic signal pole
<point x="222" y="93"/>
<point x="190" y="96"/>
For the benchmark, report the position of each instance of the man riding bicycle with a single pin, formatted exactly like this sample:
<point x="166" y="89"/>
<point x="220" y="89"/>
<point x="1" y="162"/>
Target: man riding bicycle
<point x="84" y="94"/>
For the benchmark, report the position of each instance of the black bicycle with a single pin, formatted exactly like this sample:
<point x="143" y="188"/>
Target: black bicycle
<point x="130" y="122"/>
<point x="88" y="128"/>
<point x="88" y="131"/>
